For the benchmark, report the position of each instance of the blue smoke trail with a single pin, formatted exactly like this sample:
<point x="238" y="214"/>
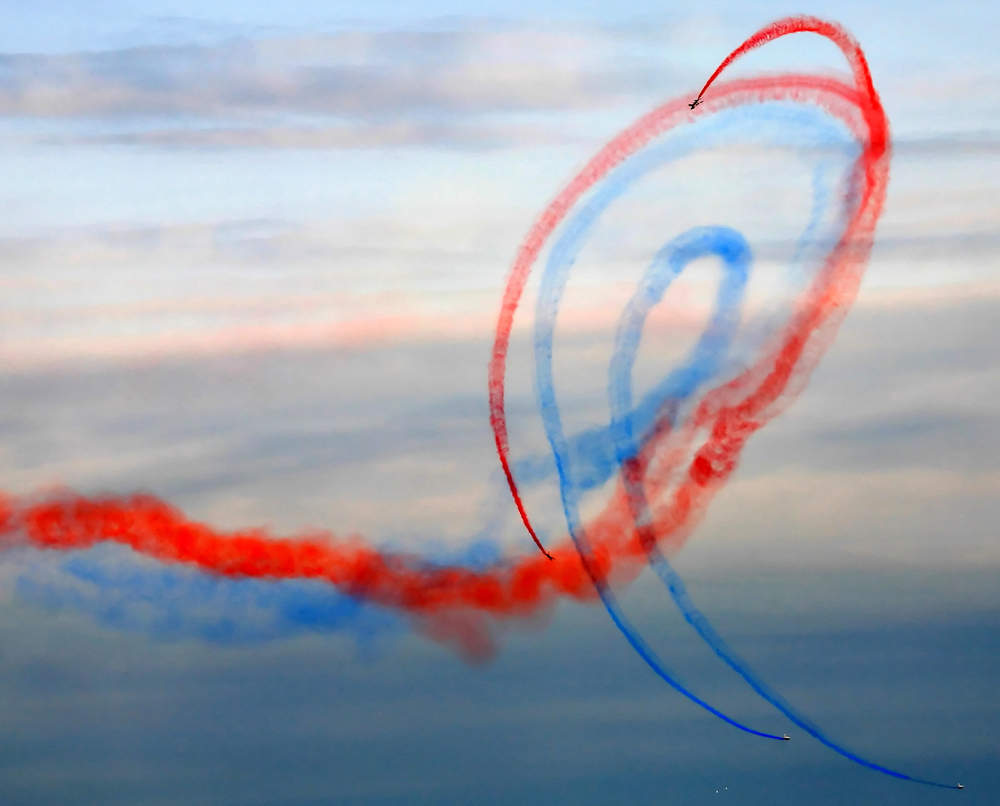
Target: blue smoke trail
<point x="669" y="262"/>
<point x="119" y="590"/>
<point x="702" y="364"/>
<point x="173" y="603"/>
<point x="705" y="360"/>
<point x="587" y="459"/>
<point x="701" y="624"/>
<point x="592" y="451"/>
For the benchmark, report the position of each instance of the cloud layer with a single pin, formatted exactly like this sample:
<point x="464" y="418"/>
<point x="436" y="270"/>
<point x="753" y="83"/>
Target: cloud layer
<point x="365" y="75"/>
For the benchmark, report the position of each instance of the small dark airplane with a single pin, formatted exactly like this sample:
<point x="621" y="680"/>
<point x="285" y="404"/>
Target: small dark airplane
<point x="694" y="103"/>
<point x="788" y="738"/>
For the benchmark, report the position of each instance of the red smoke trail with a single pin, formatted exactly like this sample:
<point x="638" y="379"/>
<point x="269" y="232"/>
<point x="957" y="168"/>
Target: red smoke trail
<point x="834" y="289"/>
<point x="451" y="604"/>
<point x="460" y="606"/>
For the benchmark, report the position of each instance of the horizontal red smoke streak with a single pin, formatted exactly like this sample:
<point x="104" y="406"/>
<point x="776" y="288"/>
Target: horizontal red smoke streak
<point x="460" y="606"/>
<point x="452" y="604"/>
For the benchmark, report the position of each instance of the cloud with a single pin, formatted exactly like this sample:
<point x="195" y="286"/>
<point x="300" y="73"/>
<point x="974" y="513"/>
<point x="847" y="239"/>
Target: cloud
<point x="389" y="434"/>
<point x="948" y="145"/>
<point x="939" y="245"/>
<point x="909" y="516"/>
<point x="77" y="293"/>
<point x="357" y="75"/>
<point x="330" y="137"/>
<point x="215" y="288"/>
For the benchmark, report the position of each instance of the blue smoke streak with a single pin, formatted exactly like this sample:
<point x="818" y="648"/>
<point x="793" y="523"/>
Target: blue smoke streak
<point x="693" y="616"/>
<point x="704" y="360"/>
<point x="669" y="262"/>
<point x="592" y="451"/>
<point x="595" y="462"/>
<point x="126" y="592"/>
<point x="121" y="591"/>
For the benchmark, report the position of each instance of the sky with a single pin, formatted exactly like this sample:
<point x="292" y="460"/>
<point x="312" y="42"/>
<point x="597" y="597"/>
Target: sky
<point x="251" y="260"/>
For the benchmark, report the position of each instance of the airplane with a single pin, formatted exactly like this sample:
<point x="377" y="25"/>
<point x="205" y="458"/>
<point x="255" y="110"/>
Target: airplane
<point x="788" y="738"/>
<point x="694" y="103"/>
<point x="960" y="786"/>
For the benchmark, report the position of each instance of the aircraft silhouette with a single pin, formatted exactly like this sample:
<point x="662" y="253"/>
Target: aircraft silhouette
<point x="694" y="103"/>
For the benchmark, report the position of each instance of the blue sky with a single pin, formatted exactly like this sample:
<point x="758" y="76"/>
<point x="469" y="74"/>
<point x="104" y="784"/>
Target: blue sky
<point x="250" y="260"/>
